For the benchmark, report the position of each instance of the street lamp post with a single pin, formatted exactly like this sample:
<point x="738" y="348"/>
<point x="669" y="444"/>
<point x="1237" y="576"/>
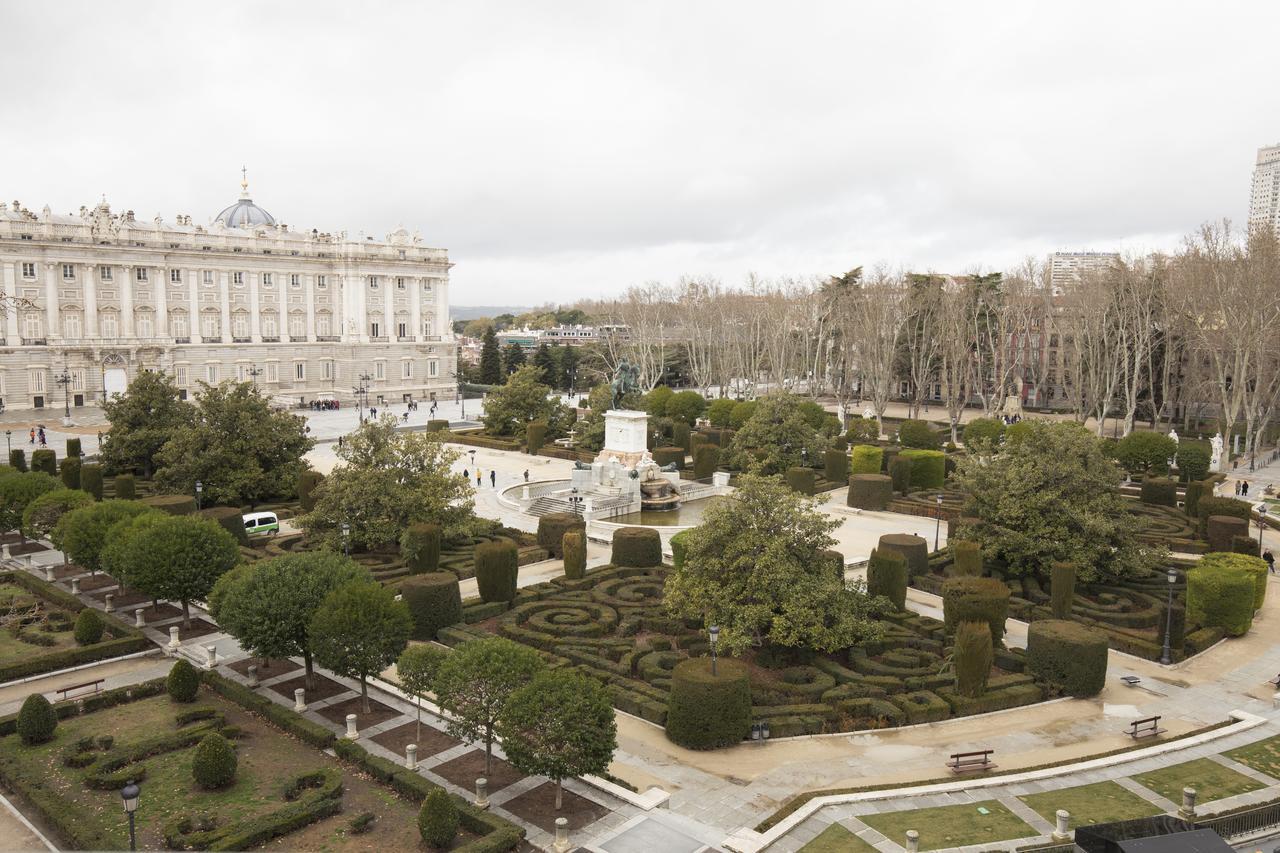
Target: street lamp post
<point x="346" y="539"/>
<point x="254" y="373"/>
<point x="199" y="492"/>
<point x="714" y="632"/>
<point x="1166" y="656"/>
<point x="129" y="795"/>
<point x="8" y="437"/>
<point x="64" y="379"/>
<point x="937" y="525"/>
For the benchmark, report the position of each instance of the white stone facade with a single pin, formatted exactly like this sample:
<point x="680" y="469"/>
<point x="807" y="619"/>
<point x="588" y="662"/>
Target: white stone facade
<point x="1264" y="196"/>
<point x="303" y="314"/>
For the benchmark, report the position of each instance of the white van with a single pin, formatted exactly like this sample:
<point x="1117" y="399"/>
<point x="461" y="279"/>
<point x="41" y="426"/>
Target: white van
<point x="260" y="522"/>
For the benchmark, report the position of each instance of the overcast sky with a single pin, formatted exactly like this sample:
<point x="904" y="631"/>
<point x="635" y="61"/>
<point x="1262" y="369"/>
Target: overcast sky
<point x="567" y="150"/>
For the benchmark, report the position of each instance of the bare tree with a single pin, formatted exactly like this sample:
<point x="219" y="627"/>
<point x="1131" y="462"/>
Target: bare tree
<point x="875" y="324"/>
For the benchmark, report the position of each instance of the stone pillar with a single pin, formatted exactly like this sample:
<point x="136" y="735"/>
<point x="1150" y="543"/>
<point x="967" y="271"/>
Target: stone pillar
<point x="90" y="274"/>
<point x="11" y="335"/>
<point x="255" y="315"/>
<point x="562" y="835"/>
<point x="309" y="303"/>
<point x="210" y="657"/>
<point x="193" y="304"/>
<point x="224" y="298"/>
<point x="411" y="756"/>
<point x="913" y="841"/>
<point x="138" y="620"/>
<point x="299" y="700"/>
<point x="351" y="734"/>
<point x="52" y="273"/>
<point x="75" y="586"/>
<point x="1188" y="810"/>
<point x="110" y="604"/>
<point x="1061" y="832"/>
<point x="48" y="572"/>
<point x="415" y="310"/>
<point x="126" y="301"/>
<point x="253" y="675"/>
<point x="161" y="329"/>
<point x="173" y="639"/>
<point x="482" y="793"/>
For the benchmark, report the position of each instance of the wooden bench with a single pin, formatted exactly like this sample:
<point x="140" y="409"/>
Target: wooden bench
<point x="968" y="762"/>
<point x="90" y="687"/>
<point x="1146" y="727"/>
<point x="1131" y="680"/>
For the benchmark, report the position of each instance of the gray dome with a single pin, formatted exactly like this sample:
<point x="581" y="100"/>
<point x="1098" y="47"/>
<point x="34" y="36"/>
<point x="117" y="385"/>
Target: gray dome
<point x="244" y="213"/>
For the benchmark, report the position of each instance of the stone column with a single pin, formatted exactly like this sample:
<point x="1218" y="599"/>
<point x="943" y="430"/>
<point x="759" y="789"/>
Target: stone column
<point x="415" y="309"/>
<point x="12" y="336"/>
<point x="52" y="275"/>
<point x="90" y="273"/>
<point x="126" y="302"/>
<point x="299" y="700"/>
<point x="562" y="835"/>
<point x="173" y="640"/>
<point x="110" y="604"/>
<point x="75" y="586"/>
<point x="352" y="733"/>
<point x="1061" y="830"/>
<point x="139" y="621"/>
<point x="389" y="308"/>
<point x="913" y="841"/>
<point x="1188" y="809"/>
<point x="210" y="656"/>
<point x="48" y="571"/>
<point x="411" y="756"/>
<point x="253" y="675"/>
<point x="193" y="305"/>
<point x="162" y="304"/>
<point x="482" y="793"/>
<point x="309" y="304"/>
<point x="255" y="314"/>
<point x="224" y="295"/>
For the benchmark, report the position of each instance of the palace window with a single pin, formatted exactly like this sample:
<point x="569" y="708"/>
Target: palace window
<point x="211" y="374"/>
<point x="379" y="370"/>
<point x="297" y="326"/>
<point x="406" y="370"/>
<point x="77" y="379"/>
<point x="402" y="329"/>
<point x="240" y="326"/>
<point x="28" y="270"/>
<point x="210" y="325"/>
<point x="300" y="370"/>
<point x="71" y="325"/>
<point x="68" y="272"/>
<point x="373" y="282"/>
<point x="104" y="273"/>
<point x="179" y="324"/>
<point x="375" y="329"/>
<point x="140" y="274"/>
<point x="207" y="276"/>
<point x="399" y="283"/>
<point x="323" y="325"/>
<point x="237" y="278"/>
<point x="433" y="368"/>
<point x="32" y="325"/>
<point x="295" y="280"/>
<point x="37" y="381"/>
<point x="266" y="279"/>
<point x="180" y="375"/>
<point x="273" y="371"/>
<point x="144" y="325"/>
<point x="270" y="328"/>
<point x="326" y="369"/>
<point x="322" y="281"/>
<point x="175" y="276"/>
<point x="110" y="325"/>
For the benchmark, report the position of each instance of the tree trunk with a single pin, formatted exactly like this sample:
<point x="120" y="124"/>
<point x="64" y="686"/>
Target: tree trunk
<point x="364" y="694"/>
<point x="559" y="790"/>
<point x="488" y="751"/>
<point x="307" y="678"/>
<point x="186" y="614"/>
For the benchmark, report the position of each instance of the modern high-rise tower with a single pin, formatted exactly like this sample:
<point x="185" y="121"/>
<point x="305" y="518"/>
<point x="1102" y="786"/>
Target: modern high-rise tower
<point x="1264" y="199"/>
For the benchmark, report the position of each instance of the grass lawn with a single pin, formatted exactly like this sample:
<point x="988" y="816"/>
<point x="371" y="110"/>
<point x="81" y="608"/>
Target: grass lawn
<point x="1211" y="780"/>
<point x="1263" y="756"/>
<point x="837" y="839"/>
<point x="13" y="649"/>
<point x="1100" y="802"/>
<point x="952" y="826"/>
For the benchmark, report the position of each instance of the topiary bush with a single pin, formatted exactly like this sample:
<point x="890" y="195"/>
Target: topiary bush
<point x="706" y="458"/>
<point x="972" y="656"/>
<point x="836" y="466"/>
<point x="214" y="763"/>
<point x="183" y="681"/>
<point x="982" y="434"/>
<point x="928" y="468"/>
<point x="171" y="504"/>
<point x="420" y="546"/>
<point x="308" y="482"/>
<point x="438" y="819"/>
<point x="887" y="455"/>
<point x="1062" y="589"/>
<point x="553" y="526"/>
<point x="434" y="602"/>
<point x="680" y="435"/>
<point x="1221" y="594"/>
<point x="913" y="548"/>
<point x="918" y="434"/>
<point x="1142" y="451"/>
<point x="126" y="488"/>
<point x="741" y="413"/>
<point x="535" y="436"/>
<point x="497" y="567"/>
<point x="802" y="480"/>
<point x="89" y="627"/>
<point x="36" y="720"/>
<point x="720" y="412"/>
<point x="970" y="599"/>
<point x="18" y="459"/>
<point x="639" y="547"/>
<point x="966" y="558"/>
<point x="91" y="479"/>
<point x="1245" y="545"/>
<point x="45" y="460"/>
<point x="664" y="456"/>
<point x="229" y="519"/>
<point x="437" y="425"/>
<point x="1160" y="491"/>
<point x="866" y="459"/>
<point x="1221" y="530"/>
<point x="1193" y="461"/>
<point x="70" y="472"/>
<point x="900" y="473"/>
<point x="1069" y="657"/>
<point x="1251" y="564"/>
<point x="706" y="712"/>
<point x="679" y="546"/>
<point x="575" y="554"/>
<point x="887" y="576"/>
<point x="870" y="491"/>
<point x="862" y="430"/>
<point x="1209" y="505"/>
<point x="1195" y="490"/>
<point x="73" y="446"/>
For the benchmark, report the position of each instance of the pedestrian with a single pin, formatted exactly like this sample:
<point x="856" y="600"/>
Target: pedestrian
<point x="1237" y="488"/>
<point x="526" y="475"/>
<point x="1244" y="487"/>
<point x="466" y="475"/>
<point x="1270" y="560"/>
<point x="339" y="442"/>
<point x="479" y="478"/>
<point x="493" y="479"/>
<point x="33" y="435"/>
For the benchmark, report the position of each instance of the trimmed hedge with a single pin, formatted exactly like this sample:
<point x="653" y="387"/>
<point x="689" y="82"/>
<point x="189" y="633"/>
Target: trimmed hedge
<point x="1245" y="545"/>
<point x="535" y="435"/>
<point x="636" y="547"/>
<point x="73" y="446"/>
<point x="497" y="567"/>
<point x="18" y="459"/>
<point x="1220" y="530"/>
<point x="1160" y="491"/>
<point x="928" y="468"/>
<point x="553" y="526"/>
<point x="295" y="724"/>
<point x="1062" y="589"/>
<point x="802" y="480"/>
<point x="970" y="599"/>
<point x="870" y="491"/>
<point x="420" y="547"/>
<point x="1209" y="505"/>
<point x="705" y="712"/>
<point x="1069" y="657"/>
<point x="91" y="479"/>
<point x="1193" y="460"/>
<point x="172" y="504"/>
<point x="70" y="472"/>
<point x="835" y="466"/>
<point x="973" y="655"/>
<point x="308" y="482"/>
<point x="230" y="519"/>
<point x="966" y="558"/>
<point x="866" y="459"/>
<point x="45" y="460"/>
<point x="1220" y="594"/>
<point x="1250" y="564"/>
<point x="900" y="473"/>
<point x="887" y="576"/>
<point x="664" y="456"/>
<point x="913" y="548"/>
<point x="1195" y="490"/>
<point x="126" y="488"/>
<point x="679" y="546"/>
<point x="680" y="435"/>
<point x="918" y="434"/>
<point x="706" y="458"/>
<point x="575" y="554"/>
<point x="437" y="425"/>
<point x="434" y="602"/>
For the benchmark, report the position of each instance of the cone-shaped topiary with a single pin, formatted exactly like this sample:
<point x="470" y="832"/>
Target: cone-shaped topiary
<point x="183" y="682"/>
<point x="91" y="479"/>
<point x="887" y="576"/>
<point x="420" y="547"/>
<point x="434" y="602"/>
<point x="70" y="472"/>
<point x="438" y="819"/>
<point x="126" y="488"/>
<point x="870" y="491"/>
<point x="1071" y="658"/>
<point x="308" y="482"/>
<point x="638" y="547"/>
<point x="89" y="627"/>
<point x="553" y="526"/>
<point x="966" y="558"/>
<point x="497" y="565"/>
<point x="1062" y="589"/>
<point x="970" y="599"/>
<point x="866" y="459"/>
<point x="705" y="711"/>
<point x="36" y="720"/>
<point x="973" y="655"/>
<point x="575" y="554"/>
<point x="214" y="763"/>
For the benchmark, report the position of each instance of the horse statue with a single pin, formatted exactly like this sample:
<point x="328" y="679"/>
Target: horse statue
<point x="626" y="379"/>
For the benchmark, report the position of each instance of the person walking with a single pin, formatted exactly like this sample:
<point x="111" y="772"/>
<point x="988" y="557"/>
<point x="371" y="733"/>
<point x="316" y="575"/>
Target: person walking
<point x="1244" y="488"/>
<point x="1270" y="561"/>
<point x="479" y="478"/>
<point x="466" y="474"/>
<point x="33" y="435"/>
<point x="40" y="435"/>
<point x="493" y="479"/>
<point x="526" y="475"/>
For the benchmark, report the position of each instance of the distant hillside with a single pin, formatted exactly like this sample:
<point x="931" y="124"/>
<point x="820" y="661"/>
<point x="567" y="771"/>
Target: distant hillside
<point x="471" y="312"/>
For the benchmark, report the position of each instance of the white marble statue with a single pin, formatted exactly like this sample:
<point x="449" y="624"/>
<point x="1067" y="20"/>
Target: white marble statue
<point x="1215" y="464"/>
<point x="1173" y="433"/>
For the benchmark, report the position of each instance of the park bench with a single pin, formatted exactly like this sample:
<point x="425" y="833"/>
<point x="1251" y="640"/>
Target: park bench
<point x="968" y="762"/>
<point x="1131" y="680"/>
<point x="89" y="686"/>
<point x="1146" y="727"/>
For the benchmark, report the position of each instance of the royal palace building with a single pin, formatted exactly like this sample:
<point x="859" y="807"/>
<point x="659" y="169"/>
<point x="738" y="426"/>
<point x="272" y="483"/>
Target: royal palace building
<point x="92" y="298"/>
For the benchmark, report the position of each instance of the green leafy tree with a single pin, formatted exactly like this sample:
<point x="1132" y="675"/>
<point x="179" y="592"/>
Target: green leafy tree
<point x="1142" y="451"/>
<point x="474" y="683"/>
<point x="568" y="362"/>
<point x="544" y="358"/>
<point x="756" y="568"/>
<point x="116" y="555"/>
<point x="359" y="630"/>
<point x="19" y="491"/>
<point x="490" y="358"/>
<point x="655" y="402"/>
<point x="43" y="513"/>
<point x="1053" y="496"/>
<point x="476" y="328"/>
<point x="142" y="420"/>
<point x="268" y="605"/>
<point x="523" y="399"/>
<point x="241" y="449"/>
<point x="559" y="725"/>
<point x="779" y="435"/>
<point x="685" y="406"/>
<point x="81" y="534"/>
<point x="386" y="481"/>
<point x="513" y="358"/>
<point x="179" y="558"/>
<point x="416" y="669"/>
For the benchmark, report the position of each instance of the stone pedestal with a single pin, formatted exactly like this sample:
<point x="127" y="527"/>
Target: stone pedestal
<point x="1188" y="809"/>
<point x="173" y="640"/>
<point x="562" y="835"/>
<point x="210" y="657"/>
<point x="352" y="733"/>
<point x="1061" y="832"/>
<point x="299" y="700"/>
<point x="411" y="756"/>
<point x="139" y="621"/>
<point x="625" y="437"/>
<point x="482" y="793"/>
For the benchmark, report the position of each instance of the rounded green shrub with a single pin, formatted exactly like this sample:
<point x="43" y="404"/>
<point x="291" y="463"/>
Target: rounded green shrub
<point x="741" y="413"/>
<point x="91" y="479"/>
<point x="870" y="491"/>
<point x="1159" y="491"/>
<point x="866" y="459"/>
<point x="970" y="599"/>
<point x="1209" y="505"/>
<point x="972" y="655"/>
<point x="928" y="468"/>
<point x="1245" y="545"/>
<point x="706" y="458"/>
<point x="18" y="459"/>
<point x="438" y="819"/>
<point x="70" y="472"/>
<point x="887" y="455"/>
<point x="497" y="567"/>
<point x="705" y="711"/>
<point x="1251" y="564"/>
<point x="640" y="547"/>
<point x="308" y="482"/>
<point x="172" y="504"/>
<point x="1069" y="657"/>
<point x="679" y="547"/>
<point x="420" y="546"/>
<point x="900" y="473"/>
<point x="1221" y="594"/>
<point x="553" y="526"/>
<point x="669" y="455"/>
<point x="535" y="436"/>
<point x="918" y="434"/>
<point x="1220" y="530"/>
<point x="982" y="434"/>
<point x="214" y="763"/>
<point x="89" y="627"/>
<point x="887" y="576"/>
<point x="125" y="486"/>
<point x="720" y="412"/>
<point x="36" y="720"/>
<point x="183" y="681"/>
<point x="914" y="549"/>
<point x="862" y="430"/>
<point x="575" y="554"/>
<point x="837" y="561"/>
<point x="45" y="460"/>
<point x="835" y="465"/>
<point x="966" y="558"/>
<point x="1142" y="450"/>
<point x="1193" y="461"/>
<point x="1062" y="589"/>
<point x="802" y="480"/>
<point x="434" y="602"/>
<point x="230" y="519"/>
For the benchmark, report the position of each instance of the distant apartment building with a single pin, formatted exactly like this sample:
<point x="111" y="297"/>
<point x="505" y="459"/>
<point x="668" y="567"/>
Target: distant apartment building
<point x="1264" y="197"/>
<point x="1066" y="267"/>
<point x="572" y="336"/>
